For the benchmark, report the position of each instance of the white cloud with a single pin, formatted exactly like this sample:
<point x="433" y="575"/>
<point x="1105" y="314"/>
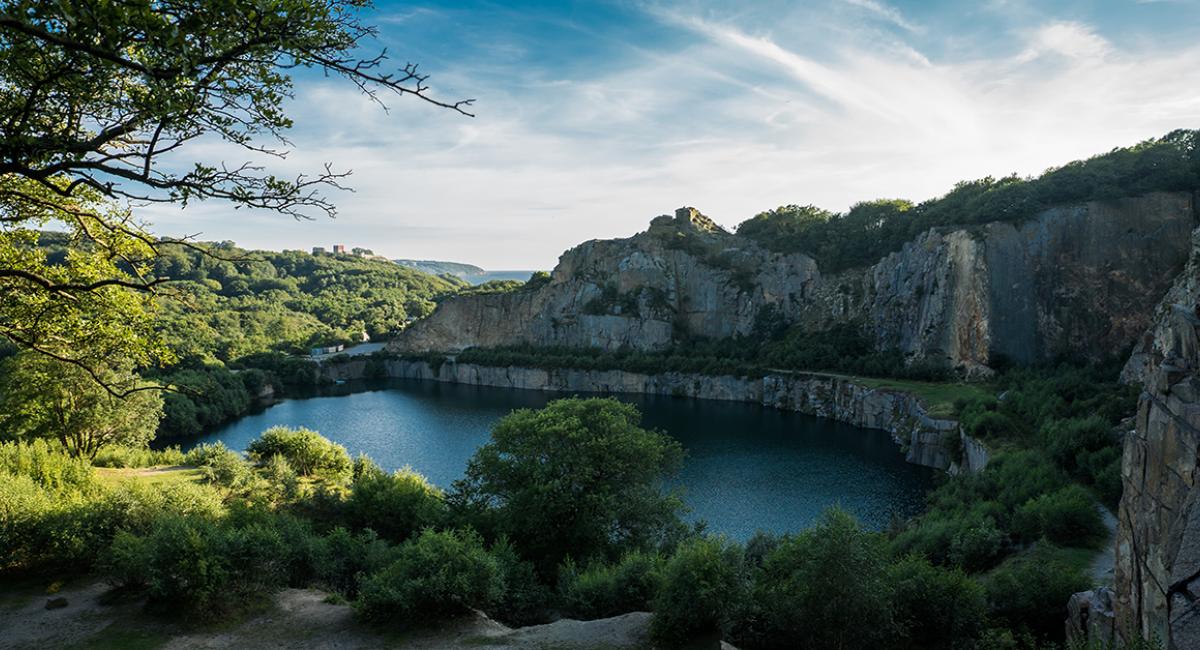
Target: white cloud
<point x="732" y="121"/>
<point x="886" y="12"/>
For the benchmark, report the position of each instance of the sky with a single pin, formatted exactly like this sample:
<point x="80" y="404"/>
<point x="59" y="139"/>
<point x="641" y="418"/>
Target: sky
<point x="594" y="117"/>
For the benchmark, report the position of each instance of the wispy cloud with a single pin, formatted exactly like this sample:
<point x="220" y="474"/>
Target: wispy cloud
<point x="730" y="112"/>
<point x="887" y="12"/>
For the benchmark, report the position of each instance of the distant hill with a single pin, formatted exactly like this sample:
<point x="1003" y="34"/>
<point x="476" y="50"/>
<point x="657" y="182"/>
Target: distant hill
<point x="435" y="267"/>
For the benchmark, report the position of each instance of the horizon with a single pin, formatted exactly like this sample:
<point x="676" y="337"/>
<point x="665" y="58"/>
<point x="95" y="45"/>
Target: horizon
<point x="592" y="118"/>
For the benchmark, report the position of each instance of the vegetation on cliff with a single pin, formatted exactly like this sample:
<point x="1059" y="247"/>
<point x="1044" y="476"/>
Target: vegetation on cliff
<point x="871" y="229"/>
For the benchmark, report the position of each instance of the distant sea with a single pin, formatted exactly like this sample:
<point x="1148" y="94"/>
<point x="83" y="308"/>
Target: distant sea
<point x="487" y="276"/>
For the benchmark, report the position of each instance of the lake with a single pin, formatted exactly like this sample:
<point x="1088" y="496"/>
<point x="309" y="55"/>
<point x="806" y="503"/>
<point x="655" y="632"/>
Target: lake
<point x="747" y="467"/>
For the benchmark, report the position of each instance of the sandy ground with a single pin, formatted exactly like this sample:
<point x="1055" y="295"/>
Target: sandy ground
<point x="298" y="618"/>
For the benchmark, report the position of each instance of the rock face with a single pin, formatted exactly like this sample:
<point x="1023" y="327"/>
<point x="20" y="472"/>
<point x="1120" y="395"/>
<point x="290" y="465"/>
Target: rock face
<point x="923" y="438"/>
<point x="685" y="273"/>
<point x="1158" y="538"/>
<point x="1080" y="280"/>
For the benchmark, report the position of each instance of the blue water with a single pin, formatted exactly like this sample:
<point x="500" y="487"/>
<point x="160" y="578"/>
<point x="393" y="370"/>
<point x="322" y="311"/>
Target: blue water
<point x="747" y="467"/>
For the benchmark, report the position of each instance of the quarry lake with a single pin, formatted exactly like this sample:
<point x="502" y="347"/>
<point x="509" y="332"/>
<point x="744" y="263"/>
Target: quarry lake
<point x="747" y="467"/>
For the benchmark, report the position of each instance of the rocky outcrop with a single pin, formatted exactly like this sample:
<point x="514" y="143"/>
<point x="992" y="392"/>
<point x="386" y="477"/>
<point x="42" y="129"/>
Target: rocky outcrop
<point x="1080" y="280"/>
<point x="684" y="274"/>
<point x="1157" y="576"/>
<point x="923" y="438"/>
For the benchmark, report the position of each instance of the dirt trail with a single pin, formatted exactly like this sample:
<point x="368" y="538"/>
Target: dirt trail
<point x="299" y="618"/>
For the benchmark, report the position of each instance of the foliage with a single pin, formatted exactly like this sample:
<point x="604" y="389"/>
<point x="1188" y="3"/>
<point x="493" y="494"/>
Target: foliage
<point x="834" y="573"/>
<point x="121" y="457"/>
<point x="44" y="398"/>
<point x="436" y="574"/>
<point x="1029" y="591"/>
<point x="704" y="585"/>
<point x="306" y="451"/>
<point x="579" y="477"/>
<point x="872" y="229"/>
<point x="525" y="598"/>
<point x="935" y="608"/>
<point x="396" y="505"/>
<point x="1067" y="517"/>
<point x="603" y="590"/>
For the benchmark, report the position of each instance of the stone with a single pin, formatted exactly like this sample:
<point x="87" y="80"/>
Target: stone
<point x="56" y="602"/>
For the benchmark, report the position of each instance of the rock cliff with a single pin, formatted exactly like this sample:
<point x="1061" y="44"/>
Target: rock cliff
<point x="922" y="437"/>
<point x="1080" y="280"/>
<point x="1158" y="538"/>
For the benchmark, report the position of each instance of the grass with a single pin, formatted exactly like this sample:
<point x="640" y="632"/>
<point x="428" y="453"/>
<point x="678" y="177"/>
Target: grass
<point x="162" y="475"/>
<point x="938" y="397"/>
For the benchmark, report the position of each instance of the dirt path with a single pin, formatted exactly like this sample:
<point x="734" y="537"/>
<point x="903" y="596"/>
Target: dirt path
<point x="298" y="618"/>
<point x="1101" y="570"/>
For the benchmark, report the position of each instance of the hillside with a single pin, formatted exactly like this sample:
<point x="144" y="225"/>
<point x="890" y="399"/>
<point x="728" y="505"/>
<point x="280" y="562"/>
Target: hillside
<point x="436" y="267"/>
<point x="1069" y="264"/>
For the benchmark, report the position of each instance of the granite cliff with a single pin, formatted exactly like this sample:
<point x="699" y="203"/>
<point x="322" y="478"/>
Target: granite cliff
<point x="1078" y="280"/>
<point x="1157" y="590"/>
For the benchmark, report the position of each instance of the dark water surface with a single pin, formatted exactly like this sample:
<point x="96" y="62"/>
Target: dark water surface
<point x="747" y="467"/>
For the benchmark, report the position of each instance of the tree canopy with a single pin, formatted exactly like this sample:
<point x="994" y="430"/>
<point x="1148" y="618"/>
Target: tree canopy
<point x="100" y="102"/>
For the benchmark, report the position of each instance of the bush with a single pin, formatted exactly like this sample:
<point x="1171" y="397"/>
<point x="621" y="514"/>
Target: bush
<point x="1067" y="517"/>
<point x="46" y="464"/>
<point x="137" y="457"/>
<point x="703" y="588"/>
<point x="823" y="588"/>
<point x="221" y="465"/>
<point x="936" y="608"/>
<point x="343" y="559"/>
<point x="198" y="567"/>
<point x="604" y="590"/>
<point x="435" y="575"/>
<point x="306" y="451"/>
<point x="525" y="599"/>
<point x="1028" y="592"/>
<point x="397" y="505"/>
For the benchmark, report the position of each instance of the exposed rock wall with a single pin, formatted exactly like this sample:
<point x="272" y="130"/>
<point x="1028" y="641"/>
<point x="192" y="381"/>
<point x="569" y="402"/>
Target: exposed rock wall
<point x="1080" y="280"/>
<point x="901" y="414"/>
<point x="1158" y="538"/>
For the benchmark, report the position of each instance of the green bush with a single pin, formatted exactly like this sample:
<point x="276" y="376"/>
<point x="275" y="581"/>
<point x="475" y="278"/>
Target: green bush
<point x="525" y="600"/>
<point x="1067" y="516"/>
<point x="604" y="590"/>
<point x="197" y="567"/>
<point x="221" y="465"/>
<point x="397" y="505"/>
<point x="435" y="575"/>
<point x="704" y="586"/>
<point x="343" y="559"/>
<point x="824" y="588"/>
<point x="1028" y="592"/>
<point x="306" y="451"/>
<point x="935" y="608"/>
<point x="115" y="456"/>
<point x="46" y="464"/>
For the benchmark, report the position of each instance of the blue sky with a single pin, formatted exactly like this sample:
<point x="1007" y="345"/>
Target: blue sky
<point x="594" y="117"/>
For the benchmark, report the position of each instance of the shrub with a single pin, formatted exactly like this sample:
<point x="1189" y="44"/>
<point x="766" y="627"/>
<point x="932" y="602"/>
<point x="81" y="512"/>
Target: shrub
<point x="525" y="599"/>
<point x="116" y="456"/>
<point x="1029" y="591"/>
<point x="823" y="588"/>
<point x="198" y="567"/>
<point x="604" y="590"/>
<point x="305" y="450"/>
<point x="703" y="588"/>
<point x="435" y="575"/>
<point x="936" y="608"/>
<point x="394" y="505"/>
<point x="46" y="464"/>
<point x="221" y="465"/>
<point x="1067" y="517"/>
<point x="343" y="559"/>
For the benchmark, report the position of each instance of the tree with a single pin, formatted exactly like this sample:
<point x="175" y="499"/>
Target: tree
<point x="43" y="398"/>
<point x="94" y="96"/>
<point x="824" y="588"/>
<point x="577" y="478"/>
